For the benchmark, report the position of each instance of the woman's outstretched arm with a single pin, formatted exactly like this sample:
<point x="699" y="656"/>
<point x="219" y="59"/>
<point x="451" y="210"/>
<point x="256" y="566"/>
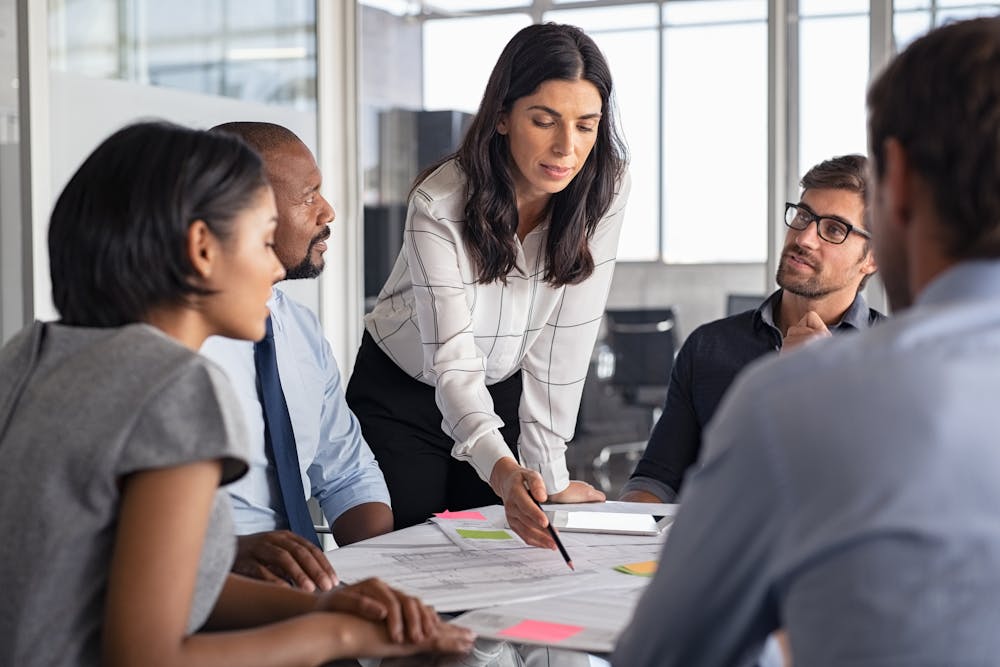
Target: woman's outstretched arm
<point x="152" y="581"/>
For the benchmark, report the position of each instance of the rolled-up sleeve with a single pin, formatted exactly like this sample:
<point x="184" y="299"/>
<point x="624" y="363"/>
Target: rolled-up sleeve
<point x="344" y="473"/>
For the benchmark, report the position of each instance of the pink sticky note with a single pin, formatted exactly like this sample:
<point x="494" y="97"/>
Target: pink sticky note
<point x="474" y="516"/>
<point x="540" y="631"/>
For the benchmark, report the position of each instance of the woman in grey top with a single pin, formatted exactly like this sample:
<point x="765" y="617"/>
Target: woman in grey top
<point x="115" y="435"/>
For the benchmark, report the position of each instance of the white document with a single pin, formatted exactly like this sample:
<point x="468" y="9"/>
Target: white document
<point x="479" y="535"/>
<point x="573" y="541"/>
<point x="661" y="509"/>
<point x="488" y="533"/>
<point x="614" y="523"/>
<point x="422" y="561"/>
<point x="453" y="580"/>
<point x="604" y="559"/>
<point x="494" y="514"/>
<point x="585" y="620"/>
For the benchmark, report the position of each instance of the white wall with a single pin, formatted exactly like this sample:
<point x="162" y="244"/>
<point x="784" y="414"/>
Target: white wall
<point x="83" y="111"/>
<point x="11" y="266"/>
<point x="697" y="292"/>
<point x="8" y="58"/>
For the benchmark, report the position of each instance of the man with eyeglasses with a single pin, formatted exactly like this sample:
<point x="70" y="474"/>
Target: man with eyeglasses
<point x="824" y="265"/>
<point x="304" y="442"/>
<point x="852" y="494"/>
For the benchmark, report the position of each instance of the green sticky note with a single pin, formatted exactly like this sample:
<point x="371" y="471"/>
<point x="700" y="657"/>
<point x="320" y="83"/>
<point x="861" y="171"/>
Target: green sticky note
<point x="470" y="534"/>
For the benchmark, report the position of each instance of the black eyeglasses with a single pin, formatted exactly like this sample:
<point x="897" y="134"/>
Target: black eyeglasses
<point x="830" y="229"/>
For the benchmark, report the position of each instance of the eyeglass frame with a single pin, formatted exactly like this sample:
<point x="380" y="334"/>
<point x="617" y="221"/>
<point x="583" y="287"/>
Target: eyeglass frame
<point x="815" y="217"/>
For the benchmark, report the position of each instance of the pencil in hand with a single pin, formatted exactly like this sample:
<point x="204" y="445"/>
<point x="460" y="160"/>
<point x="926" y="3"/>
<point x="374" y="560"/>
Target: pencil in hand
<point x="555" y="536"/>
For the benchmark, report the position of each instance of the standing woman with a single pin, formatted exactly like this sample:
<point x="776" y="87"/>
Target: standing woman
<point x="115" y="435"/>
<point x="480" y="341"/>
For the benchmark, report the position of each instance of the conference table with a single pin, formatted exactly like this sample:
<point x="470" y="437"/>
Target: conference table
<point x="470" y="566"/>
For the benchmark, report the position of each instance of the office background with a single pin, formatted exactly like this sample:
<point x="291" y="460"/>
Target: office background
<point x="723" y="104"/>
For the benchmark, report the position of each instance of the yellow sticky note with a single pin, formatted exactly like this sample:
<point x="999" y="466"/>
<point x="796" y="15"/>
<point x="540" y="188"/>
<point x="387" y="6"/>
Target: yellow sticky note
<point x="643" y="569"/>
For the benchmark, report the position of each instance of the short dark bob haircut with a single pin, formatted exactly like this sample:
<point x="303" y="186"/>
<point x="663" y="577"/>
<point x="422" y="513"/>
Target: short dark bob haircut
<point x="118" y="232"/>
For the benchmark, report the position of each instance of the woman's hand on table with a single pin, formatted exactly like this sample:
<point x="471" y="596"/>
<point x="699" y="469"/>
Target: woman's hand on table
<point x="357" y="637"/>
<point x="578" y="492"/>
<point x="406" y="618"/>
<point x="520" y="488"/>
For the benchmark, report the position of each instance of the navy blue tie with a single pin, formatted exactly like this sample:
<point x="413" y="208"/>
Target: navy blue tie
<point x="279" y="439"/>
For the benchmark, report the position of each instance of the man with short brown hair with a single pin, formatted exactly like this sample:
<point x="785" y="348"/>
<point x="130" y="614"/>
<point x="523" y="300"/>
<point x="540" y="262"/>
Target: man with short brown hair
<point x="825" y="263"/>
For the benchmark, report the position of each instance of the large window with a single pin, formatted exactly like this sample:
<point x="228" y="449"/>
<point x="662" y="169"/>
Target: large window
<point x="683" y="123"/>
<point x="675" y="117"/>
<point x="692" y="86"/>
<point x="252" y="50"/>
<point x="628" y="37"/>
<point x="714" y="183"/>
<point x="913" y="18"/>
<point x="833" y="76"/>
<point x="458" y="55"/>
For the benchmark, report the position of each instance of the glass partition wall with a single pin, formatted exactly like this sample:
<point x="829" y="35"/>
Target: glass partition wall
<point x="15" y="302"/>
<point x="699" y="83"/>
<point x="96" y="65"/>
<point x="260" y="51"/>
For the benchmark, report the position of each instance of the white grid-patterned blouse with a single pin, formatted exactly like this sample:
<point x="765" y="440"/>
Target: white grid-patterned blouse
<point x="443" y="328"/>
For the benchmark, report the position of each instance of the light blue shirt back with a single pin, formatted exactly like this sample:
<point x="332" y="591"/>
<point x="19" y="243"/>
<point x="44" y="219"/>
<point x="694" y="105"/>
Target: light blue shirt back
<point x="337" y="466"/>
<point x="850" y="493"/>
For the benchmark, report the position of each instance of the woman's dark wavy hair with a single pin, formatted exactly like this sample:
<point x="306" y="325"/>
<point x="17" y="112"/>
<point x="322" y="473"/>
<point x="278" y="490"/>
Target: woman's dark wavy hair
<point x="118" y="233"/>
<point x="537" y="54"/>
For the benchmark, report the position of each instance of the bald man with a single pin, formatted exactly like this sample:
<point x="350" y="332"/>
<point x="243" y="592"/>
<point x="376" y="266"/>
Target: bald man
<point x="336" y="466"/>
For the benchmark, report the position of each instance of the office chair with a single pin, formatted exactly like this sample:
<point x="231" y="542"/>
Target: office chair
<point x="643" y="341"/>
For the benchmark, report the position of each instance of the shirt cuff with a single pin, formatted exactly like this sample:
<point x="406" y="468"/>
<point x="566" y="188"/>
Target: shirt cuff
<point x="483" y="455"/>
<point x="650" y="485"/>
<point x="369" y="493"/>
<point x="554" y="474"/>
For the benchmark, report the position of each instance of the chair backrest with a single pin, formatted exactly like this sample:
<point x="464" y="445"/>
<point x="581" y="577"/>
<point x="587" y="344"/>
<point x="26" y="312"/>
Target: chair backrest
<point x="643" y="341"/>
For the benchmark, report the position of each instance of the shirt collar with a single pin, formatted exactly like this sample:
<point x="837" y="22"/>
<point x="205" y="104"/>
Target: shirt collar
<point x="856" y="316"/>
<point x="764" y="315"/>
<point x="966" y="281"/>
<point x="274" y="304"/>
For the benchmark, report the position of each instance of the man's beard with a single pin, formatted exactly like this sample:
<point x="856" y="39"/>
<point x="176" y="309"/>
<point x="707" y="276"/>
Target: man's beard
<point x="308" y="268"/>
<point x="810" y="288"/>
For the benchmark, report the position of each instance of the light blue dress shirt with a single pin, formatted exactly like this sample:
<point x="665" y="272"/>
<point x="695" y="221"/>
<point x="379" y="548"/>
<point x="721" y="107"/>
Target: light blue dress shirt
<point x="337" y="466"/>
<point x="850" y="493"/>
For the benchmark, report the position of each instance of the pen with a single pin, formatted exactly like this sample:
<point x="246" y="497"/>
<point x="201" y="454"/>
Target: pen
<point x="555" y="536"/>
